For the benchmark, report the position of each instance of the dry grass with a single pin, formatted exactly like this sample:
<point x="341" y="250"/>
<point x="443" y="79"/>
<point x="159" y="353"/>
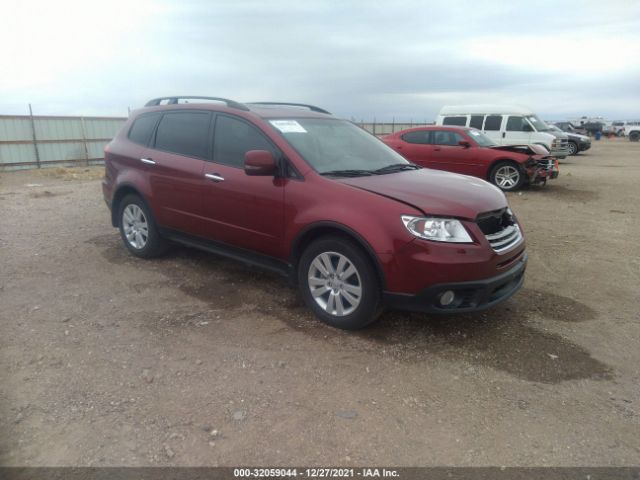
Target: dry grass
<point x="73" y="173"/>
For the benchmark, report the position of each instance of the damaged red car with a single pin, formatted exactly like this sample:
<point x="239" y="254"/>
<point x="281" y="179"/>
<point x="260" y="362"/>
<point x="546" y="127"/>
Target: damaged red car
<point x="470" y="152"/>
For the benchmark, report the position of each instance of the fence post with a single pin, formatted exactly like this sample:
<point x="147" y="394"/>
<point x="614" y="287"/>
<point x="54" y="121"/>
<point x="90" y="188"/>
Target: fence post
<point x="33" y="133"/>
<point x="374" y="126"/>
<point x="84" y="141"/>
<point x="393" y="124"/>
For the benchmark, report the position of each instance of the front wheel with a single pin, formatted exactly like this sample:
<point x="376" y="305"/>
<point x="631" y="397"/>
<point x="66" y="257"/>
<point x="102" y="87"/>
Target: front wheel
<point x="339" y="283"/>
<point x="573" y="148"/>
<point x="507" y="176"/>
<point x="634" y="136"/>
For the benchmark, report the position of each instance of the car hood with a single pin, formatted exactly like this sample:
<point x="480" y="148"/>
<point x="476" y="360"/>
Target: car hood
<point x="435" y="192"/>
<point x="577" y="136"/>
<point x="524" y="149"/>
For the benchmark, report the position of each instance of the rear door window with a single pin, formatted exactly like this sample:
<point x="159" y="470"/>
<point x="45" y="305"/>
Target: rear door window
<point x="476" y="121"/>
<point x="233" y="138"/>
<point x="142" y="128"/>
<point x="184" y="133"/>
<point x="457" y="121"/>
<point x="442" y="137"/>
<point x="493" y="122"/>
<point x="420" y="137"/>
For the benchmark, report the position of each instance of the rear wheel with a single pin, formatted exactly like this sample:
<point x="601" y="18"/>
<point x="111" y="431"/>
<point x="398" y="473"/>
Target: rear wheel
<point x="573" y="148"/>
<point x="507" y="176"/>
<point x="138" y="228"/>
<point x="339" y="283"/>
<point x="634" y="136"/>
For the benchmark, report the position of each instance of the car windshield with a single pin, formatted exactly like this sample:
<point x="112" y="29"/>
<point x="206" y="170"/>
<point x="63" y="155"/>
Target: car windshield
<point x="337" y="147"/>
<point x="553" y="128"/>
<point x="481" y="139"/>
<point x="538" y="124"/>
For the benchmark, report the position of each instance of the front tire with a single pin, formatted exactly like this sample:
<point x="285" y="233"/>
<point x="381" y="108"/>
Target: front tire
<point x="634" y="136"/>
<point x="339" y="283"/>
<point x="507" y="176"/>
<point x="138" y="228"/>
<point x="573" y="148"/>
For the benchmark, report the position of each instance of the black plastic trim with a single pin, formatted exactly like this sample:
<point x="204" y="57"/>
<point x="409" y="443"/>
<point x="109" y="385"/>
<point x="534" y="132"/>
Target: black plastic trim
<point x="480" y="291"/>
<point x="264" y="262"/>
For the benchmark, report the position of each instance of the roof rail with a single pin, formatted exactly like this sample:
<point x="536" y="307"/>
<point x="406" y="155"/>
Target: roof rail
<point x="313" y="108"/>
<point x="174" y="100"/>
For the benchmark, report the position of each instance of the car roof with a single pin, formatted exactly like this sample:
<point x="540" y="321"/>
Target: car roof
<point x="260" y="109"/>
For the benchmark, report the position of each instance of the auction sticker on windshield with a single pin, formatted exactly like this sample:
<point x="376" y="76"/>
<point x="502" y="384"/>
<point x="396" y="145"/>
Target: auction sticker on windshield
<point x="288" y="126"/>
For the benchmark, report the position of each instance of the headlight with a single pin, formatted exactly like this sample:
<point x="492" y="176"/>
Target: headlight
<point x="437" y="229"/>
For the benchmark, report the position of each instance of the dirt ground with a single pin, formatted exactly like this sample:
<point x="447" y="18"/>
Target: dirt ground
<point x="196" y="360"/>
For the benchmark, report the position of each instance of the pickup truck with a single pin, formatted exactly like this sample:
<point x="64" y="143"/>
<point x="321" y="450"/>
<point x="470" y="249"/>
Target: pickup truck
<point x="633" y="132"/>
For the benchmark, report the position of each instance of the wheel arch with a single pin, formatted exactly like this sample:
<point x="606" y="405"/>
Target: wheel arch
<point x="324" y="228"/>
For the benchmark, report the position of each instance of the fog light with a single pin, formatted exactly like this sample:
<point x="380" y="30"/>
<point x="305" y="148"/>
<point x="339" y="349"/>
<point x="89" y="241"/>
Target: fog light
<point x="447" y="298"/>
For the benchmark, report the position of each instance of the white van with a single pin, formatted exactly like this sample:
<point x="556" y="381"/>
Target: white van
<point x="506" y="125"/>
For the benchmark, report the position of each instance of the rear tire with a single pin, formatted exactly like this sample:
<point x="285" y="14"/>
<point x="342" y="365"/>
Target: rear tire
<point x="138" y="228"/>
<point x="507" y="176"/>
<point x="634" y="136"/>
<point x="573" y="148"/>
<point x="339" y="283"/>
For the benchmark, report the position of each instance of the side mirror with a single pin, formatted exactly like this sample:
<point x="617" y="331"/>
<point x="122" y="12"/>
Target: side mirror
<point x="464" y="143"/>
<point x="259" y="163"/>
<point x="527" y="128"/>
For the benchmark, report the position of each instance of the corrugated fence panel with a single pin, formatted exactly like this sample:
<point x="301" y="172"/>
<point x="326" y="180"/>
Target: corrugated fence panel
<point x="103" y="127"/>
<point x="59" y="140"/>
<point x="16" y="153"/>
<point x="15" y="128"/>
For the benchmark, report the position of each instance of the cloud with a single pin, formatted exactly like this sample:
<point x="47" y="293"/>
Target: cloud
<point x="360" y="59"/>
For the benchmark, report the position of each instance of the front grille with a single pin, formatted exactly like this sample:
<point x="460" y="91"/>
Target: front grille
<point x="500" y="229"/>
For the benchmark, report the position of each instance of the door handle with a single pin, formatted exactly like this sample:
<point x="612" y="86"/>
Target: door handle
<point x="504" y="134"/>
<point x="437" y="149"/>
<point x="148" y="161"/>
<point x="214" y="176"/>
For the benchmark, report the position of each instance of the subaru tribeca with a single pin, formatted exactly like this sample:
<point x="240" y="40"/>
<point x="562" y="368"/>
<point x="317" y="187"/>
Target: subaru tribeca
<point x="295" y="190"/>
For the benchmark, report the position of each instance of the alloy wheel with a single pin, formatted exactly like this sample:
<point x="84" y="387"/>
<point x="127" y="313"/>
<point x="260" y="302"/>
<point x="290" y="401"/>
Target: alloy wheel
<point x="135" y="225"/>
<point x="335" y="284"/>
<point x="507" y="177"/>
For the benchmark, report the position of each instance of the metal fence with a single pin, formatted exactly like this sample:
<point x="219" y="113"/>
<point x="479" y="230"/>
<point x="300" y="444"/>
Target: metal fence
<point x="387" y="128"/>
<point x="28" y="141"/>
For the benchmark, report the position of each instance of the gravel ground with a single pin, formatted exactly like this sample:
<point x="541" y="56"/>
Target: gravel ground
<point x="196" y="360"/>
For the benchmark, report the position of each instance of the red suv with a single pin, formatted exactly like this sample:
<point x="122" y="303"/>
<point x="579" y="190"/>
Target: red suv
<point x="471" y="152"/>
<point x="297" y="191"/>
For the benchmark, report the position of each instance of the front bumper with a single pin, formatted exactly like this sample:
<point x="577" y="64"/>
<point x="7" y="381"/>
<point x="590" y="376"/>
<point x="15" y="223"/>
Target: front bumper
<point x="544" y="170"/>
<point x="584" y="146"/>
<point x="560" y="152"/>
<point x="469" y="296"/>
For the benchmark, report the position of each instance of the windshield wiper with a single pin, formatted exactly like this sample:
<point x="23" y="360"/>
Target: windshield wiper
<point x="397" y="167"/>
<point x="348" y="173"/>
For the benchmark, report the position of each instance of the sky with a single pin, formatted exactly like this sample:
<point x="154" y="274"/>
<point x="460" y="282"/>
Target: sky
<point x="400" y="60"/>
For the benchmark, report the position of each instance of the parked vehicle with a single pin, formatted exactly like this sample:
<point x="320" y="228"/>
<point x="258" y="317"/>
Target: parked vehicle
<point x="470" y="152"/>
<point x="577" y="143"/>
<point x="506" y="125"/>
<point x="299" y="192"/>
<point x="633" y="132"/>
<point x="569" y="127"/>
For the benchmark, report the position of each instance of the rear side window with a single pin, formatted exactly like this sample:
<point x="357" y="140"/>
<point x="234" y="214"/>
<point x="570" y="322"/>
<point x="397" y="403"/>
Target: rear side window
<point x="476" y="121"/>
<point x="493" y="122"/>
<point x="446" y="138"/>
<point x="184" y="133"/>
<point x="515" y="124"/>
<point x="234" y="138"/>
<point x="420" y="137"/>
<point x="457" y="121"/>
<point x="142" y="128"/>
